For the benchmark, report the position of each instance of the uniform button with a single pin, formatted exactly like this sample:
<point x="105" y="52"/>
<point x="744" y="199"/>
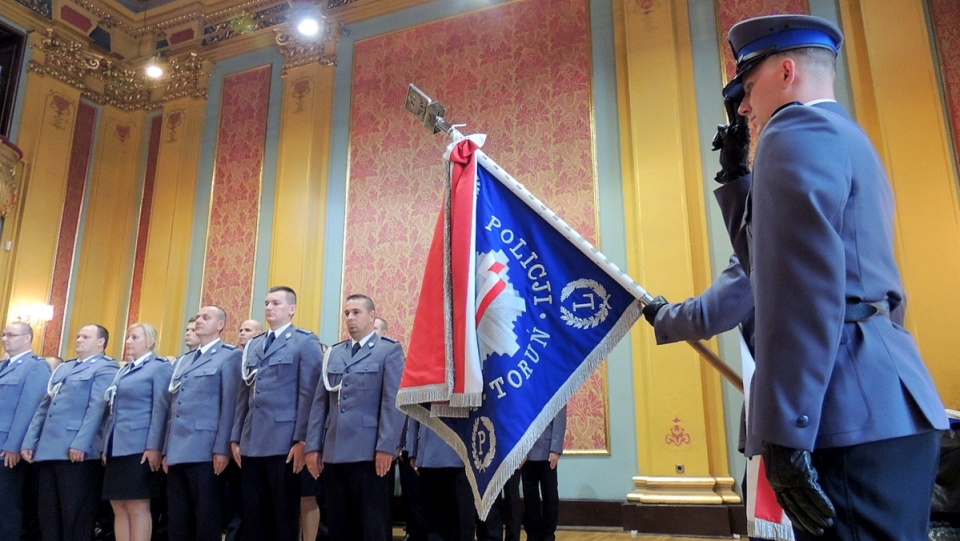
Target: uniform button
<point x="343" y="410"/>
<point x="256" y="405"/>
<point x="348" y="371"/>
<point x="179" y="402"/>
<point x="803" y="421"/>
<point x="178" y="416"/>
<point x="346" y="384"/>
<point x="258" y="391"/>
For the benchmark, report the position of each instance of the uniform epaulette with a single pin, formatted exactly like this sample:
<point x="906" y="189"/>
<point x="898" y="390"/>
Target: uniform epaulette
<point x="109" y="358"/>
<point x="304" y="331"/>
<point x="347" y="341"/>
<point x="388" y="339"/>
<point x="228" y="346"/>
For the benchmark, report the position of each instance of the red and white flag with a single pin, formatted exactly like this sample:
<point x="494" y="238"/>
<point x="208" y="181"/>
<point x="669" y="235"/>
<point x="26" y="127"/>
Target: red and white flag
<point x="765" y="518"/>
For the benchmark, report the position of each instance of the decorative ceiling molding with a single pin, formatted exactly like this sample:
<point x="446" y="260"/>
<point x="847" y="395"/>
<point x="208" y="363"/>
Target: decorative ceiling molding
<point x="108" y="82"/>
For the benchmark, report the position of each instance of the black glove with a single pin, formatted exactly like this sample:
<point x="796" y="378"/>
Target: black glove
<point x="794" y="480"/>
<point x="733" y="142"/>
<point x="651" y="308"/>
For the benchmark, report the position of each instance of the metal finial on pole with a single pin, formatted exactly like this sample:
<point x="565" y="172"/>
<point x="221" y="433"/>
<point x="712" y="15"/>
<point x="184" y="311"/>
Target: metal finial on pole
<point x="428" y="110"/>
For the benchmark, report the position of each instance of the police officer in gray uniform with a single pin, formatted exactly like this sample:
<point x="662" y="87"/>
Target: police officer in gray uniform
<point x="197" y="447"/>
<point x="444" y="487"/>
<point x="539" y="473"/>
<point x="64" y="439"/>
<point x="23" y="383"/>
<point x="280" y="372"/>
<point x="355" y="426"/>
<point x="842" y="408"/>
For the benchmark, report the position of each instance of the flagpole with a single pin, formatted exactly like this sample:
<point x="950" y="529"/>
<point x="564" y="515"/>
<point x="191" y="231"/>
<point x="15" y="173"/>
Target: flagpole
<point x="431" y="113"/>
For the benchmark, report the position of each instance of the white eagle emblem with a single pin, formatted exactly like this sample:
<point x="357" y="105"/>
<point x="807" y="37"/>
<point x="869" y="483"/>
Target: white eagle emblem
<point x="498" y="306"/>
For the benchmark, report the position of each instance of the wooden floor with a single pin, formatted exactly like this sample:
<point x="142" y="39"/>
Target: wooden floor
<point x="598" y="534"/>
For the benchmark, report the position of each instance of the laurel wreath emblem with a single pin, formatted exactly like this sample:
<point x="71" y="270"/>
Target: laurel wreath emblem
<point x="581" y="322"/>
<point x="481" y="464"/>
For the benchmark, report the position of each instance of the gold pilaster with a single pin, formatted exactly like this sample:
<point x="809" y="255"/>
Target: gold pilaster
<point x="306" y="131"/>
<point x="46" y="139"/>
<point x="898" y="101"/>
<point x="166" y="266"/>
<point x="104" y="266"/>
<point x="682" y="454"/>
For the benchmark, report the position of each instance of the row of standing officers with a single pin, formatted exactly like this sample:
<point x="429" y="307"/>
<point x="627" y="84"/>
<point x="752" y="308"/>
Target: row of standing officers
<point x="282" y="405"/>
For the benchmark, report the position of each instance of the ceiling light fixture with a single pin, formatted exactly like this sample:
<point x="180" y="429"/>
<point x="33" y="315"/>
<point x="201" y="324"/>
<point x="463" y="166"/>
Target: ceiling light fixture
<point x="309" y="26"/>
<point x="154" y="68"/>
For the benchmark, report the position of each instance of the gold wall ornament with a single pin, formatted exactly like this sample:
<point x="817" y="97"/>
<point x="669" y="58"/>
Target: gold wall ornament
<point x="62" y="108"/>
<point x="301" y="89"/>
<point x="174" y="119"/>
<point x="301" y="52"/>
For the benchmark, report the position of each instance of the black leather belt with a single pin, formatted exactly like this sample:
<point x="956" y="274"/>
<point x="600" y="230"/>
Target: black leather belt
<point x="863" y="310"/>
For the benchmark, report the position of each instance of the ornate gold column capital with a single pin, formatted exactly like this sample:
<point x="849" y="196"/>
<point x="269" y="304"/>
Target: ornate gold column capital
<point x="300" y="51"/>
<point x="117" y="84"/>
<point x="187" y="77"/>
<point x="62" y="58"/>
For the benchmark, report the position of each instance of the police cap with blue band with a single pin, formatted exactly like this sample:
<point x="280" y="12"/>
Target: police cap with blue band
<point x="753" y="40"/>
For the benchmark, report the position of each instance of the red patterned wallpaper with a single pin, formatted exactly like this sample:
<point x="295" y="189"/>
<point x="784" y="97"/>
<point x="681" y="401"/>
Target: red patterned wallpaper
<point x="143" y="228"/>
<point x="945" y="17"/>
<point x="69" y="224"/>
<point x="517" y="72"/>
<point x="730" y="12"/>
<point x="235" y="203"/>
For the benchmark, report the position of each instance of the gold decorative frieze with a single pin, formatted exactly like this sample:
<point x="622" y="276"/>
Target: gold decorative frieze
<point x="125" y="89"/>
<point x="104" y="18"/>
<point x="63" y="59"/>
<point x="301" y="52"/>
<point x="118" y="84"/>
<point x="187" y="77"/>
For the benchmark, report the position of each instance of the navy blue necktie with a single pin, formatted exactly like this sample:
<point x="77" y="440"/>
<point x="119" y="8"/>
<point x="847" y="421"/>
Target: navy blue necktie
<point x="355" y="349"/>
<point x="270" y="338"/>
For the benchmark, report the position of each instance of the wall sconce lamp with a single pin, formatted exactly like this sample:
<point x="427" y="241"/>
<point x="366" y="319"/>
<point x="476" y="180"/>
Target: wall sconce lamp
<point x="36" y="315"/>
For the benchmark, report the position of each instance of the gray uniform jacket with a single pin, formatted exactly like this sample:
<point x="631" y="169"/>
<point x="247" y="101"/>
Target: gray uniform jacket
<point x="202" y="408"/>
<point x="137" y="419"/>
<point x="273" y="410"/>
<point x="23" y="384"/>
<point x="721" y="307"/>
<point x="362" y="418"/>
<point x="820" y="233"/>
<point x="71" y="414"/>
<point x="551" y="441"/>
<point x="429" y="449"/>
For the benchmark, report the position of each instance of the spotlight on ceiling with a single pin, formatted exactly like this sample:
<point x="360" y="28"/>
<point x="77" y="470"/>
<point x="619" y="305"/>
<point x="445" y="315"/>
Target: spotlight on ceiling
<point x="154" y="69"/>
<point x="309" y="27"/>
